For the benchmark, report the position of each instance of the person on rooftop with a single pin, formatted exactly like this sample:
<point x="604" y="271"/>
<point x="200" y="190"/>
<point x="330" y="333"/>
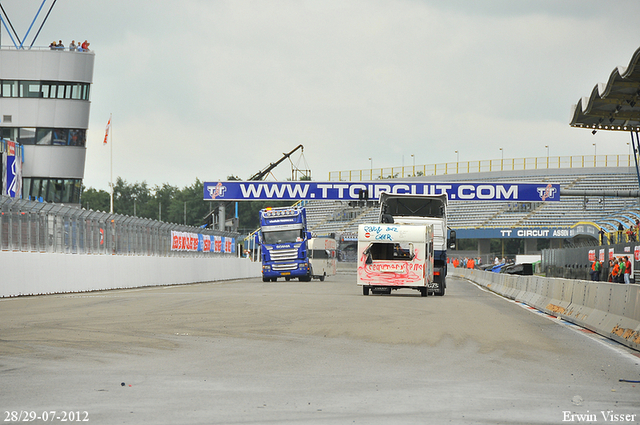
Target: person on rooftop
<point x="72" y="46"/>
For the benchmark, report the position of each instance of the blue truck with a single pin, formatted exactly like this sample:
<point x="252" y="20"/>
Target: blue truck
<point x="283" y="238"/>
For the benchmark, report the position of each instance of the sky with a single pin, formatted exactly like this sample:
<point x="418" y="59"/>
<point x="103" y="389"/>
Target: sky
<point x="205" y="89"/>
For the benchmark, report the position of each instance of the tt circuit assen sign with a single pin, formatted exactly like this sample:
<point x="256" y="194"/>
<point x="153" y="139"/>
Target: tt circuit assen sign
<point x="342" y="191"/>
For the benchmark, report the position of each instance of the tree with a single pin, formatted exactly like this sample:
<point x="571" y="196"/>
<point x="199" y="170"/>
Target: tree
<point x="97" y="200"/>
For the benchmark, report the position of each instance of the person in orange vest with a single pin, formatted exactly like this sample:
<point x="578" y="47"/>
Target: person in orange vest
<point x="456" y="263"/>
<point x="616" y="271"/>
<point x="471" y="264"/>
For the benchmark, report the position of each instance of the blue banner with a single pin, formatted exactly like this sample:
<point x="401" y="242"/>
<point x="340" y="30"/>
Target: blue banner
<point x="12" y="170"/>
<point x="343" y="191"/>
<point x="567" y="232"/>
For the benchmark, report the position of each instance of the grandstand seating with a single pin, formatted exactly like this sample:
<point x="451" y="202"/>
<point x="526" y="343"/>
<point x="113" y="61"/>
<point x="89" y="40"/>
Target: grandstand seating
<point x="326" y="217"/>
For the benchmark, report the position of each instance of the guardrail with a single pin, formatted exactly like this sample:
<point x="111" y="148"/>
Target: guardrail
<point x="511" y="164"/>
<point x="609" y="309"/>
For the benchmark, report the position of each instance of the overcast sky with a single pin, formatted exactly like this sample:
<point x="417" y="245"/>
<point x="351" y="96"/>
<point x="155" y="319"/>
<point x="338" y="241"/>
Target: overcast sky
<point x="205" y="89"/>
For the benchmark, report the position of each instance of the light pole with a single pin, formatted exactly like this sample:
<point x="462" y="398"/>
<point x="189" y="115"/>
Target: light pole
<point x="457" y="161"/>
<point x="594" y="154"/>
<point x="547" y="146"/>
<point x="501" y="159"/>
<point x="414" y="164"/>
<point x="371" y="168"/>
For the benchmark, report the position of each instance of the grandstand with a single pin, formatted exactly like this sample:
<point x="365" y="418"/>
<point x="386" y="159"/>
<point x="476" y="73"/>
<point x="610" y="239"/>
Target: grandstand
<point x="472" y="219"/>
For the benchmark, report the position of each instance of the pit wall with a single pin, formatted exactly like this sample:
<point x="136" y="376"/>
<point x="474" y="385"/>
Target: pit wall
<point x="609" y="309"/>
<point x="28" y="273"/>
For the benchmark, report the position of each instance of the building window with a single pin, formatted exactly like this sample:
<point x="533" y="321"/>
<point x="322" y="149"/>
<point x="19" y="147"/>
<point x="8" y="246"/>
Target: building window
<point x="26" y="136"/>
<point x="66" y="191"/>
<point x="46" y="136"/>
<point x="29" y="89"/>
<point x="9" y="133"/>
<point x="45" y="89"/>
<point x="9" y="88"/>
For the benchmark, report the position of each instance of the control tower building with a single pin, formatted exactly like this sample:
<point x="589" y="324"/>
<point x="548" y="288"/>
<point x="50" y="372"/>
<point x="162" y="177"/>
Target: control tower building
<point x="44" y="106"/>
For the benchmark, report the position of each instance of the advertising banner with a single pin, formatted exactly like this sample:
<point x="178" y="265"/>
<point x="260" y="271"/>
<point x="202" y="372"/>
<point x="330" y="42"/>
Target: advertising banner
<point x="345" y="191"/>
<point x="196" y="242"/>
<point x="12" y="170"/>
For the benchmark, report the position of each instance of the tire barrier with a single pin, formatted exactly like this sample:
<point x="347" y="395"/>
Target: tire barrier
<point x="609" y="309"/>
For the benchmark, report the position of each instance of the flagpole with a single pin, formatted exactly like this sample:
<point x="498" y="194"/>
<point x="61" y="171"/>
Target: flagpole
<point x="111" y="160"/>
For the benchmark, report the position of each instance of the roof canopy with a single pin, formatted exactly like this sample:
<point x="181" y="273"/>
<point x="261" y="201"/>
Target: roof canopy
<point x="613" y="106"/>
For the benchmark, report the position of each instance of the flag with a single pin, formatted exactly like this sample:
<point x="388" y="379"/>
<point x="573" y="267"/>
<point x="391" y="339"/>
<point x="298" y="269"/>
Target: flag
<point x="106" y="133"/>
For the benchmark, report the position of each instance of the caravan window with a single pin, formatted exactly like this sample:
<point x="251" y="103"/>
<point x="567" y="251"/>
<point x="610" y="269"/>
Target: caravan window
<point x="391" y="251"/>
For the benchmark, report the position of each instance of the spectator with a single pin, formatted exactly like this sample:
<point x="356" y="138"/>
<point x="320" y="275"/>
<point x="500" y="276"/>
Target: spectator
<point x="621" y="271"/>
<point x="53" y="45"/>
<point x="627" y="270"/>
<point x="471" y="264"/>
<point x="603" y="237"/>
<point x="60" y="45"/>
<point x="72" y="46"/>
<point x="614" y="269"/>
<point x="620" y="229"/>
<point x="85" y="46"/>
<point x="631" y="234"/>
<point x="595" y="270"/>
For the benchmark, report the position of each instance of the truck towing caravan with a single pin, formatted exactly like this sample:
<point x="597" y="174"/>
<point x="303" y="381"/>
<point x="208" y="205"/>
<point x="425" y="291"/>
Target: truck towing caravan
<point x="394" y="256"/>
<point x="421" y="210"/>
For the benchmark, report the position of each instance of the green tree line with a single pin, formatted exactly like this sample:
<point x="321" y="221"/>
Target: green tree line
<point x="168" y="203"/>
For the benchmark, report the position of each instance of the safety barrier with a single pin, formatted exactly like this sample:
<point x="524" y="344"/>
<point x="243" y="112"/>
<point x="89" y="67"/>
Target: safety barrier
<point x="609" y="309"/>
<point x="32" y="273"/>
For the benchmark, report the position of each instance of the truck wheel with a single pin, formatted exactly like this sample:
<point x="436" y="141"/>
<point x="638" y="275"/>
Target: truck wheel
<point x="365" y="290"/>
<point x="322" y="277"/>
<point x="440" y="291"/>
<point x="265" y="279"/>
<point x="424" y="292"/>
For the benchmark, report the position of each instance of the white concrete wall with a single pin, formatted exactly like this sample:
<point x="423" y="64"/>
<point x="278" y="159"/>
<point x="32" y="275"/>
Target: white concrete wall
<point x="609" y="309"/>
<point x="27" y="273"/>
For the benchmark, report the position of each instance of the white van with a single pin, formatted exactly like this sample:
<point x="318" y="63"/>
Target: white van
<point x="322" y="257"/>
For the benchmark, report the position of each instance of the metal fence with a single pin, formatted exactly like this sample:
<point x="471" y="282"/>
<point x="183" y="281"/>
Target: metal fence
<point x="57" y="228"/>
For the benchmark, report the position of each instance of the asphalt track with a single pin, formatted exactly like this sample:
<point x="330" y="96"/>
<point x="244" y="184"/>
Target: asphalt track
<point x="248" y="352"/>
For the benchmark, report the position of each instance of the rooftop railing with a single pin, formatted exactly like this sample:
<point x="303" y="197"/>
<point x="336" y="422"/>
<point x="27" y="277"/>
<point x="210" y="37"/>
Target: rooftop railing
<point x="27" y="48"/>
<point x="507" y="164"/>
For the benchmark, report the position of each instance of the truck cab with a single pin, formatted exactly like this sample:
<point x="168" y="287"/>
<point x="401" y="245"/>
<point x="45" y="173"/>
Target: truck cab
<point x="283" y="239"/>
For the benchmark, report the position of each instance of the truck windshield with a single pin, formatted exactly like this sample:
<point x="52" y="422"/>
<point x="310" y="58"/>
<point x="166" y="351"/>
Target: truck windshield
<point x="414" y="207"/>
<point x="283" y="236"/>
